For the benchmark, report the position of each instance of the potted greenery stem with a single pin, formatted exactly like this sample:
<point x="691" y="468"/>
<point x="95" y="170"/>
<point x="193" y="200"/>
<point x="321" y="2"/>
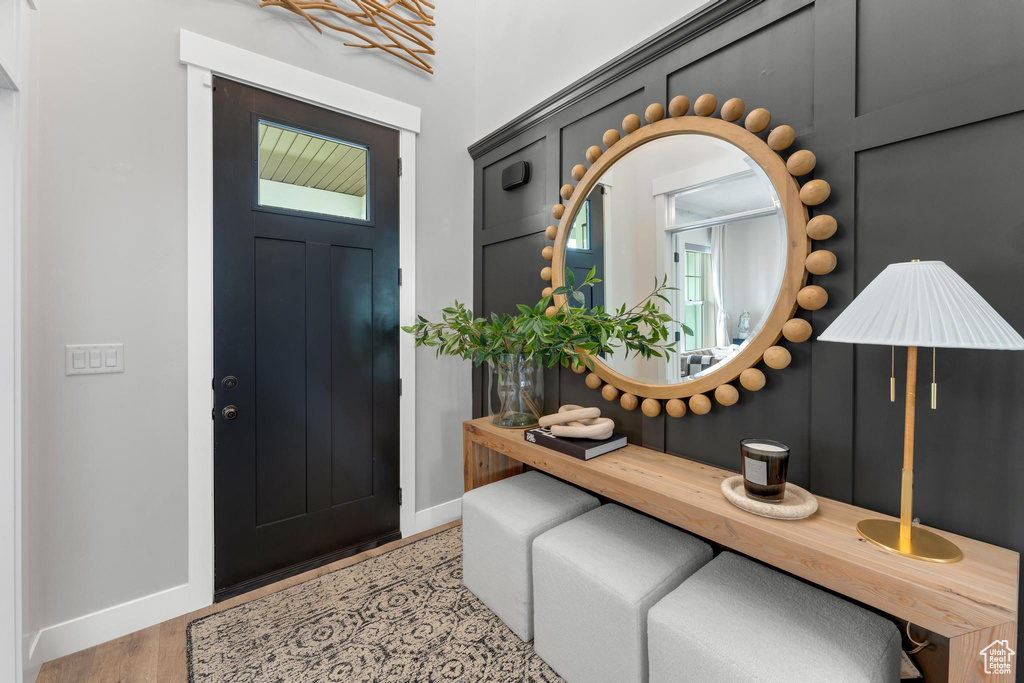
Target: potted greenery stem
<point x="517" y="347"/>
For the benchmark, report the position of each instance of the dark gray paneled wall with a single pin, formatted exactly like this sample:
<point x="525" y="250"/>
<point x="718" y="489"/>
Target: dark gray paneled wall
<point x="915" y="110"/>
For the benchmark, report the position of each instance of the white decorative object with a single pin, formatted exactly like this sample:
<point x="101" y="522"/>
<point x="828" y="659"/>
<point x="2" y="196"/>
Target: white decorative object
<point x="922" y="303"/>
<point x="797" y="504"/>
<point x="577" y="422"/>
<point x="743" y="329"/>
<point x="599" y="429"/>
<point x="577" y="414"/>
<point x="572" y="406"/>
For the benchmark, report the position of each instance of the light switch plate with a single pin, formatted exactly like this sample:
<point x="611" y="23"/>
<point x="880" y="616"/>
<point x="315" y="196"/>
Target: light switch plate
<point x="93" y="359"/>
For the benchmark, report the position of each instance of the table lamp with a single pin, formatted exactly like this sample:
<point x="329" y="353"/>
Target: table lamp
<point x="920" y="303"/>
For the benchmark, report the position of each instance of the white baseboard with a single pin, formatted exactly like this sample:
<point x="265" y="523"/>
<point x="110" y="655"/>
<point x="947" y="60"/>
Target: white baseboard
<point x="113" y="622"/>
<point x="438" y="515"/>
<point x="30" y="663"/>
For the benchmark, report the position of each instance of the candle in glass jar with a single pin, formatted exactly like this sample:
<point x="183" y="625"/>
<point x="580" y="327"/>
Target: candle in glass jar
<point x="764" y="469"/>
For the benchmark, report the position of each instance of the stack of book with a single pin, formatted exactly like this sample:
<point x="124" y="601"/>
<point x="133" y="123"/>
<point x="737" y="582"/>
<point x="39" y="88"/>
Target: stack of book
<point x="584" y="449"/>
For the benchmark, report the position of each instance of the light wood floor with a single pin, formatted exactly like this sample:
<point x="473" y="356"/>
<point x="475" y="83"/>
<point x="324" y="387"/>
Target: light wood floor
<point x="158" y="652"/>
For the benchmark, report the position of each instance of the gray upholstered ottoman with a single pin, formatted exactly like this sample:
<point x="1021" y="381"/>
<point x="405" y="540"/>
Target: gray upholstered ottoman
<point x="736" y="620"/>
<point x="499" y="523"/>
<point x="594" y="579"/>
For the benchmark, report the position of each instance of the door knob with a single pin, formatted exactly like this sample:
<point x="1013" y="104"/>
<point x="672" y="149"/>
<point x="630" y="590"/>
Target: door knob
<point x="229" y="412"/>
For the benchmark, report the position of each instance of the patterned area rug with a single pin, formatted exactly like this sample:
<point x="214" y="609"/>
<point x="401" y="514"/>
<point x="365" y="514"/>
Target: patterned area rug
<point x="400" y="616"/>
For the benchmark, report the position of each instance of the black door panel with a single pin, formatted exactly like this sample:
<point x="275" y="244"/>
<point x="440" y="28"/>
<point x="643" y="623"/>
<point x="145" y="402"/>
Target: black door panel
<point x="580" y="261"/>
<point x="306" y="319"/>
<point x="280" y="382"/>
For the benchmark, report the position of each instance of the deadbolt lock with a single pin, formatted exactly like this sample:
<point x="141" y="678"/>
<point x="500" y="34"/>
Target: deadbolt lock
<point x="229" y="412"/>
<point x="229" y="382"/>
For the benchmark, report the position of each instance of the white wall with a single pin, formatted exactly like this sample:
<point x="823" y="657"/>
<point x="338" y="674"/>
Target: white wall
<point x="755" y="260"/>
<point x="107" y="263"/>
<point x="528" y="50"/>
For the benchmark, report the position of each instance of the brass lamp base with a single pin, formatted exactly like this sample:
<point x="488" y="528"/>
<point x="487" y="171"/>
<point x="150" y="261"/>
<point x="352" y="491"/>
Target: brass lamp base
<point x="922" y="545"/>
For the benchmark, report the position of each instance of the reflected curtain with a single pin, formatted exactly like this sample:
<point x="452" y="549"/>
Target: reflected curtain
<point x="721" y="316"/>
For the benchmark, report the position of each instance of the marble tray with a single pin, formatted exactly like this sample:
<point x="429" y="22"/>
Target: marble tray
<point x="797" y="504"/>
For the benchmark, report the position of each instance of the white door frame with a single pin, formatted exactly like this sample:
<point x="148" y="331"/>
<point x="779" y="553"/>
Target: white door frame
<point x="14" y="75"/>
<point x="205" y="58"/>
<point x="10" y="376"/>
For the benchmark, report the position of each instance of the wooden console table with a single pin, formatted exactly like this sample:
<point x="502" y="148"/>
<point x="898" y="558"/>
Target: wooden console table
<point x="972" y="602"/>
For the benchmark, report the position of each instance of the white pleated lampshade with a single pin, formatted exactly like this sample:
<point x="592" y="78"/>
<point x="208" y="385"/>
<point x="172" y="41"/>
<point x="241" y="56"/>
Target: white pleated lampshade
<point x="922" y="303"/>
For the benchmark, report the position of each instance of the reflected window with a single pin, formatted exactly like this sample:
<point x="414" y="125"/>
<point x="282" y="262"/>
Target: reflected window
<point x="303" y="171"/>
<point x="696" y="293"/>
<point x="579" y="234"/>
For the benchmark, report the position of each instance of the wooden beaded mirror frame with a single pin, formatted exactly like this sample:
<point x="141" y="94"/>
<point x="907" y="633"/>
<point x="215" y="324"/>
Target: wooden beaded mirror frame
<point x="795" y="293"/>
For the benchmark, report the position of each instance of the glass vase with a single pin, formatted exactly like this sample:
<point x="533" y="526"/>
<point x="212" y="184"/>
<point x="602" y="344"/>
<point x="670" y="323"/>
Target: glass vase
<point x="516" y="391"/>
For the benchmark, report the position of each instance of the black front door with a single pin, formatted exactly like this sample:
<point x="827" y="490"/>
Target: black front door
<point x="305" y="336"/>
<point x="585" y="247"/>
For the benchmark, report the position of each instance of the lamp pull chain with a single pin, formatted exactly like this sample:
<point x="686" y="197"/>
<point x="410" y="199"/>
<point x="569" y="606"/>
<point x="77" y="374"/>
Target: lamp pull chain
<point x="892" y="376"/>
<point x="935" y="386"/>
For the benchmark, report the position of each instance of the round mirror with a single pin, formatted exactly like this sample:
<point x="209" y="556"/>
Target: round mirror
<point x="710" y="209"/>
<point x="700" y="214"/>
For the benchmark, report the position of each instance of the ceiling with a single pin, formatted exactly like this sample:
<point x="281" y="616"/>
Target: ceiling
<point x="729" y="196"/>
<point x="297" y="158"/>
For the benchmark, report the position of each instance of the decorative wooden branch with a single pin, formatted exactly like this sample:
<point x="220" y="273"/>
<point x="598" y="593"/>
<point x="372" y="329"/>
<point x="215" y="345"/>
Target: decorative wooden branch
<point x="397" y="25"/>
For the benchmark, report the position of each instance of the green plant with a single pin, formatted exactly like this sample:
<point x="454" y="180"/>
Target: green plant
<point x="572" y="336"/>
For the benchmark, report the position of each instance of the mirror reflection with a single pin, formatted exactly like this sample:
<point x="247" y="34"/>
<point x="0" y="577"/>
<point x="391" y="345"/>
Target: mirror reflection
<point x="701" y="212"/>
